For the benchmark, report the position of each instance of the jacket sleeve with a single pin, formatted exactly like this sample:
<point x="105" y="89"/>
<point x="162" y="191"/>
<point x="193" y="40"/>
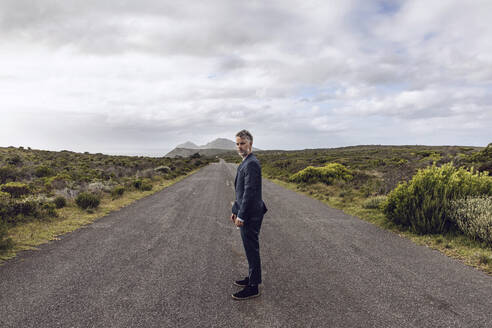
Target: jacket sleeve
<point x="252" y="179"/>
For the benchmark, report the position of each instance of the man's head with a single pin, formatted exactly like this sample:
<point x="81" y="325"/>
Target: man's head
<point x="244" y="143"/>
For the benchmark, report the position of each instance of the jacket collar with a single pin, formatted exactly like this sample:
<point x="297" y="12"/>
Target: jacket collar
<point x="249" y="155"/>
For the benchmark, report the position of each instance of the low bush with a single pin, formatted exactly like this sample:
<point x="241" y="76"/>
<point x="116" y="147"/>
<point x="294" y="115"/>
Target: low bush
<point x="60" y="202"/>
<point x="60" y="181"/>
<point x="473" y="215"/>
<point x="47" y="210"/>
<point x="15" y="189"/>
<point x="163" y="169"/>
<point x="326" y="174"/>
<point x="117" y="191"/>
<point x="87" y="200"/>
<point x="137" y="184"/>
<point x="376" y="202"/>
<point x="347" y="195"/>
<point x="6" y="242"/>
<point x="14" y="160"/>
<point x="5" y="201"/>
<point x="483" y="155"/>
<point x="483" y="158"/>
<point x="17" y="211"/>
<point x="26" y="207"/>
<point x="43" y="171"/>
<point x="143" y="185"/>
<point x="146" y="185"/>
<point x="7" y="173"/>
<point x="423" y="202"/>
<point x="147" y="173"/>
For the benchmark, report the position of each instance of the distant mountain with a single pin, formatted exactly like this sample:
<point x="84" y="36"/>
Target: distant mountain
<point x="217" y="146"/>
<point x="186" y="152"/>
<point x="189" y="145"/>
<point x="220" y="143"/>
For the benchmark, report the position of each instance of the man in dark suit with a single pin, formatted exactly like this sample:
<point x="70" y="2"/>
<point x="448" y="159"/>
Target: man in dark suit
<point x="247" y="213"/>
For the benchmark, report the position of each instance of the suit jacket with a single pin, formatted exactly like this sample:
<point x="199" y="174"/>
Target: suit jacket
<point x="249" y="202"/>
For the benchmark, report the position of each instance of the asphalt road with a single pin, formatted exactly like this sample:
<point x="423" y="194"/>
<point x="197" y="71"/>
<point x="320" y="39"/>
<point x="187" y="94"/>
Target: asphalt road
<point x="169" y="260"/>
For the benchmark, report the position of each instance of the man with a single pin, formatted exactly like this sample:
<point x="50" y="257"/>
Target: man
<point x="247" y="213"/>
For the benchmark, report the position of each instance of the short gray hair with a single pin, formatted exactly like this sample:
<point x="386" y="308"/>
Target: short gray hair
<point x="245" y="134"/>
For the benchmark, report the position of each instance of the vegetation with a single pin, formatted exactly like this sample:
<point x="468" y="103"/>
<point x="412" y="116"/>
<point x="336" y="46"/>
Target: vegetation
<point x="326" y="174"/>
<point x="87" y="200"/>
<point x="423" y="203"/>
<point x="6" y="242"/>
<point x="482" y="159"/>
<point x="376" y="202"/>
<point x="144" y="184"/>
<point x="15" y="189"/>
<point x="473" y="215"/>
<point x="41" y="188"/>
<point x="118" y="191"/>
<point x="60" y="202"/>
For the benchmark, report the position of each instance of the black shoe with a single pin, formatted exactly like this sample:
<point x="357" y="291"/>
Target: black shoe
<point x="242" y="283"/>
<point x="246" y="293"/>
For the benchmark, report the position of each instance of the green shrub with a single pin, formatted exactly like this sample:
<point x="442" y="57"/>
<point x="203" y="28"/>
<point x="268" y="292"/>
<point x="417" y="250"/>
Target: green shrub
<point x="43" y="171"/>
<point x="26" y="207"/>
<point x="87" y="200"/>
<point x="14" y="211"/>
<point x="15" y="189"/>
<point x="423" y="202"/>
<point x="143" y="185"/>
<point x="4" y="196"/>
<point x="60" y="202"/>
<point x="347" y="195"/>
<point x="14" y="160"/>
<point x="59" y="181"/>
<point x="374" y="202"/>
<point x="47" y="210"/>
<point x="118" y="191"/>
<point x="6" y="242"/>
<point x="7" y="173"/>
<point x="473" y="215"/>
<point x="433" y="157"/>
<point x="163" y="169"/>
<point x="482" y="155"/>
<point x="483" y="158"/>
<point x="5" y="206"/>
<point x="146" y="185"/>
<point x="137" y="184"/>
<point x="484" y="259"/>
<point x="326" y="174"/>
<point x="397" y="161"/>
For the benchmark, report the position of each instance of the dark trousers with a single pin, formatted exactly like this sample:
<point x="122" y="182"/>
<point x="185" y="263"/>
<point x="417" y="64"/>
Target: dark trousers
<point x="250" y="232"/>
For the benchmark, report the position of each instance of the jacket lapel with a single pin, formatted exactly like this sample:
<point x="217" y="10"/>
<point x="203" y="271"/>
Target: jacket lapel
<point x="237" y="173"/>
<point x="239" y="168"/>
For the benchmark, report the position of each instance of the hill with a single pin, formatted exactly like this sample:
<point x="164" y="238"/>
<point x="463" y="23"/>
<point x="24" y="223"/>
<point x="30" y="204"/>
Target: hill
<point x="186" y="152"/>
<point x="213" y="148"/>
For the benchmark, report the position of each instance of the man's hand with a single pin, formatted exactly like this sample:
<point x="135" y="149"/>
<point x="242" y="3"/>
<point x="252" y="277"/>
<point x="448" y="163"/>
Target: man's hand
<point x="239" y="223"/>
<point x="233" y="218"/>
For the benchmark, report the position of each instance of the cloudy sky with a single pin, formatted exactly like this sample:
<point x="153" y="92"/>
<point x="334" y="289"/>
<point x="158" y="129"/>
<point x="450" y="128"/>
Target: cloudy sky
<point x="140" y="77"/>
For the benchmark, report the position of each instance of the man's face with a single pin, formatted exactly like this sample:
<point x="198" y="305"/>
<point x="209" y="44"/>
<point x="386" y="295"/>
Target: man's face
<point x="243" y="146"/>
